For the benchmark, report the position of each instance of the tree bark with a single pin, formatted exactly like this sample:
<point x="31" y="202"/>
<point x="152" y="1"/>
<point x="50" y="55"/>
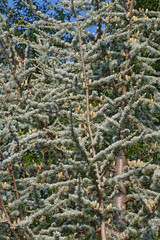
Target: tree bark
<point x="119" y="198"/>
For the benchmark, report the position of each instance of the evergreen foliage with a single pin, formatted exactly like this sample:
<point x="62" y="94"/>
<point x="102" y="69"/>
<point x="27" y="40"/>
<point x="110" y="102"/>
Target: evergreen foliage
<point x="80" y="124"/>
<point x="148" y="4"/>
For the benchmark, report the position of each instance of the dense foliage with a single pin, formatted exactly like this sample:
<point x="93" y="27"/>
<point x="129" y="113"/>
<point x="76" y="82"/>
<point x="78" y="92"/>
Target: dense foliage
<point x="79" y="128"/>
<point x="148" y="4"/>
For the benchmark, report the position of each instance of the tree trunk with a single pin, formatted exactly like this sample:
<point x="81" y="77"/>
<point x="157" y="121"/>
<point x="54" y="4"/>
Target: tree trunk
<point x="103" y="231"/>
<point x="120" y="197"/>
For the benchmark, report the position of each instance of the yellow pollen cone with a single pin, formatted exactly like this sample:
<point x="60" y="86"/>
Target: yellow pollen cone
<point x="138" y="32"/>
<point x="95" y="203"/>
<point x="152" y="203"/>
<point x="71" y="95"/>
<point x="109" y="220"/>
<point x="3" y="216"/>
<point x="138" y="162"/>
<point x="127" y="15"/>
<point x="134" y="18"/>
<point x="97" y="207"/>
<point x="83" y="116"/>
<point x="18" y="221"/>
<point x="94" y="115"/>
<point x="81" y="75"/>
<point x="4" y="185"/>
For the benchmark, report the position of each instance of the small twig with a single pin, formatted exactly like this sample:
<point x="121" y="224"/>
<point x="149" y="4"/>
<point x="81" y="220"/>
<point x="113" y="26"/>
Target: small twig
<point x="15" y="188"/>
<point x="114" y="84"/>
<point x="107" y="168"/>
<point x="154" y="209"/>
<point x="115" y="89"/>
<point x="149" y="154"/>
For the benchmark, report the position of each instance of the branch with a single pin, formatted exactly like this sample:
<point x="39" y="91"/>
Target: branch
<point x="154" y="209"/>
<point x="124" y="90"/>
<point x="85" y="157"/>
<point x="85" y="79"/>
<point x="15" y="189"/>
<point x="150" y="154"/>
<point x="8" y="218"/>
<point x="87" y="88"/>
<point x="114" y="84"/>
<point x="11" y="68"/>
<point x="131" y="8"/>
<point x="103" y="232"/>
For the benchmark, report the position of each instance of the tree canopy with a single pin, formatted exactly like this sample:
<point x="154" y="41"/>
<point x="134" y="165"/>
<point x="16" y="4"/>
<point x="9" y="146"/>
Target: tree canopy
<point x="80" y="122"/>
